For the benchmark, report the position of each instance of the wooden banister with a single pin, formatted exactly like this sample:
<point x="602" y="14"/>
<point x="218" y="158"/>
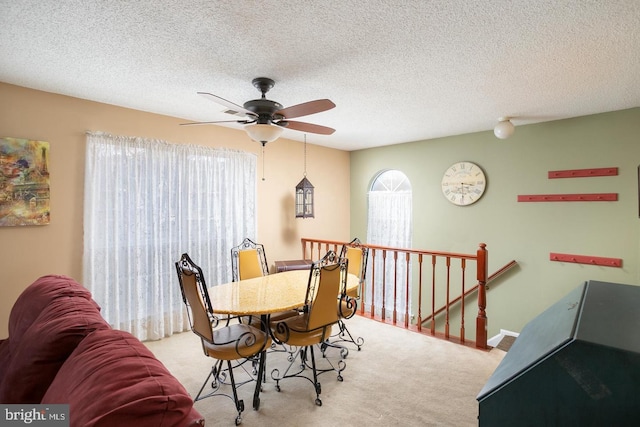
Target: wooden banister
<point x="468" y="292"/>
<point x="508" y="266"/>
<point x="393" y="260"/>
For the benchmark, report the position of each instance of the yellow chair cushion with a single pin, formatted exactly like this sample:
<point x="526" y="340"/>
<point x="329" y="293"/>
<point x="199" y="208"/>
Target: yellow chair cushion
<point x="237" y="341"/>
<point x="298" y="335"/>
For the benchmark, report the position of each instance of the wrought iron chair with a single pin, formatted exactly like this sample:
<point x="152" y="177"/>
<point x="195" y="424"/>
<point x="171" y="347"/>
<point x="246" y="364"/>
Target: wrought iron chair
<point x="313" y="325"/>
<point x="249" y="260"/>
<point x="358" y="256"/>
<point x="233" y="342"/>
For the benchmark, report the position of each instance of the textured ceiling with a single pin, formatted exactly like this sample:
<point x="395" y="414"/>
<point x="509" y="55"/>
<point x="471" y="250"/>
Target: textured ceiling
<point x="398" y="70"/>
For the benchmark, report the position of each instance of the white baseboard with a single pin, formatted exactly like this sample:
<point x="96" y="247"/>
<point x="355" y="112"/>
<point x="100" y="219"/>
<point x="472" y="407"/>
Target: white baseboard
<point x="495" y="340"/>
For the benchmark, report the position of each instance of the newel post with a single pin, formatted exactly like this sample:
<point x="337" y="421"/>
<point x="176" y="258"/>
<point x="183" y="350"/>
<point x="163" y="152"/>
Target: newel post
<point x="481" y="320"/>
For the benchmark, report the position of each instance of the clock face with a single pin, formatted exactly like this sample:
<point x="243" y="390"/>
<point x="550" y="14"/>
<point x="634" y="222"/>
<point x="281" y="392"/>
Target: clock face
<point x="463" y="183"/>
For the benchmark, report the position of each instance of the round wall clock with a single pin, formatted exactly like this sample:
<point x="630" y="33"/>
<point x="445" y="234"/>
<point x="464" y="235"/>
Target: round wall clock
<point x="463" y="183"/>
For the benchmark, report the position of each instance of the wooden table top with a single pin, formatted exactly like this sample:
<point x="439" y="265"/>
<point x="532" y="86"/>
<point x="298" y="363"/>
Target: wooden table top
<point x="266" y="294"/>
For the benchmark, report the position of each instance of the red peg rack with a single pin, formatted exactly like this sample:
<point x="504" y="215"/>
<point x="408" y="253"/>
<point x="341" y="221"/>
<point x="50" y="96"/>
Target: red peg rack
<point x="594" y="197"/>
<point x="585" y="259"/>
<point x="583" y="173"/>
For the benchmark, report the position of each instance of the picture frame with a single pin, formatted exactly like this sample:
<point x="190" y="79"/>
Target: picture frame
<point x="24" y="182"/>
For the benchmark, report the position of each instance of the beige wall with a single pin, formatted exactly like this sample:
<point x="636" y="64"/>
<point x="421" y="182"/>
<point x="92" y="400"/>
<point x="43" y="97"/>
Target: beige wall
<point x="27" y="253"/>
<point x="525" y="232"/>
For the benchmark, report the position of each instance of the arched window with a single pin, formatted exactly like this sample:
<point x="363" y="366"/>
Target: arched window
<point x="390" y="224"/>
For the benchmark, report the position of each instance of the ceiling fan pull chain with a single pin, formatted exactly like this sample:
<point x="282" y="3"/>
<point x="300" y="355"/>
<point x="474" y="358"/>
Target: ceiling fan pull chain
<point x="263" y="162"/>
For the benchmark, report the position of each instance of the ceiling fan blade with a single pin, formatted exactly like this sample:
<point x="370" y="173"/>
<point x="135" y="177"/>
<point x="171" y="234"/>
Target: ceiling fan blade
<point x="308" y="127"/>
<point x="244" y="122"/>
<point x="306" y="108"/>
<point x="236" y="109"/>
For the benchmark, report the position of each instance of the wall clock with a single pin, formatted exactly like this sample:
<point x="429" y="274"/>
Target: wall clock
<point x="463" y="183"/>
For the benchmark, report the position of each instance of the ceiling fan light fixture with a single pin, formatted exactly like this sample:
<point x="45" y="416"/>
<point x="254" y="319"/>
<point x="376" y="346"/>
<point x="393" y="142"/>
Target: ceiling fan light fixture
<point x="504" y="129"/>
<point x="263" y="133"/>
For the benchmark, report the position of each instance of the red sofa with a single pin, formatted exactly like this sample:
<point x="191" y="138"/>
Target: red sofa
<point x="61" y="350"/>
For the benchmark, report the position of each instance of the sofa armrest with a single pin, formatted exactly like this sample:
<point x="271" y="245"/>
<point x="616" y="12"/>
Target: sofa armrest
<point x="40" y="351"/>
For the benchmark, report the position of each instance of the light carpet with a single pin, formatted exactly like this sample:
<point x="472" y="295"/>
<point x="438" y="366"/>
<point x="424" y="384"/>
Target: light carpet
<point x="398" y="378"/>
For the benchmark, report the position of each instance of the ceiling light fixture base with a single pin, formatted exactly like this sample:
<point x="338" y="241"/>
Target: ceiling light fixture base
<point x="504" y="129"/>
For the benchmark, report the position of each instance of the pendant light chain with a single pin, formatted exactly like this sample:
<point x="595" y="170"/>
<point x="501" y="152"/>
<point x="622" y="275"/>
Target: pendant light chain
<point x="305" y="154"/>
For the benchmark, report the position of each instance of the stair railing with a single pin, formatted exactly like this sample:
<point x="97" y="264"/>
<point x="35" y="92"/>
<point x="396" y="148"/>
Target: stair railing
<point x="429" y="290"/>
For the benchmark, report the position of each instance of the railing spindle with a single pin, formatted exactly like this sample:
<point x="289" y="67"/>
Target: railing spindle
<point x="463" y="265"/>
<point x="407" y="290"/>
<point x="419" y="323"/>
<point x="384" y="283"/>
<point x="373" y="282"/>
<point x="395" y="285"/>
<point x="433" y="294"/>
<point x="446" y="324"/>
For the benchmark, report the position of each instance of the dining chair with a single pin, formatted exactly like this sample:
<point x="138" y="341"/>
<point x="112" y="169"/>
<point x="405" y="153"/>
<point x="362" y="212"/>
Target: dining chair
<point x="313" y="325"/>
<point x="231" y="342"/>
<point x="249" y="260"/>
<point x="347" y="305"/>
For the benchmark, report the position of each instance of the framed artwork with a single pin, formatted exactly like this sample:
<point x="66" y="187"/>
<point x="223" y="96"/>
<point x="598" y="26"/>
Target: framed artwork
<point x="24" y="182"/>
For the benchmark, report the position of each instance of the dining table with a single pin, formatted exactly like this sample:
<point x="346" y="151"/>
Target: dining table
<point x="262" y="296"/>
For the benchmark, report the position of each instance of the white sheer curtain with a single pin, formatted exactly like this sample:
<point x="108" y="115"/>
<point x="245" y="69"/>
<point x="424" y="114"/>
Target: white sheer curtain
<point x="390" y="224"/>
<point x="146" y="203"/>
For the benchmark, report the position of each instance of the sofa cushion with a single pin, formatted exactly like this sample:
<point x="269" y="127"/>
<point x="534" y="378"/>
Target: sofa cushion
<point x="36" y="355"/>
<point x="33" y="300"/>
<point x="112" y="379"/>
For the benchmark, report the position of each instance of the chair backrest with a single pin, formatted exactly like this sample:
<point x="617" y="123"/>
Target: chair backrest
<point x="327" y="279"/>
<point x="358" y="256"/>
<point x="196" y="297"/>
<point x="248" y="260"/>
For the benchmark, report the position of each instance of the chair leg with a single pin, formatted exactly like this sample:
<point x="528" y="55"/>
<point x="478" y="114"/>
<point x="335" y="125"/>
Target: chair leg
<point x="239" y="402"/>
<point x="344" y="335"/>
<point x="260" y="379"/>
<point x="303" y="353"/>
<point x="218" y="376"/>
<point x="337" y="367"/>
<point x="215" y="382"/>
<point x="315" y="378"/>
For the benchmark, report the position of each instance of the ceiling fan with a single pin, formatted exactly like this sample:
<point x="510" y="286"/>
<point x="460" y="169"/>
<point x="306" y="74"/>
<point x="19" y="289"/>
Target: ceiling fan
<point x="266" y="119"/>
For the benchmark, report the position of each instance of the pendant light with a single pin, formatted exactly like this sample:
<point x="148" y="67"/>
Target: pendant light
<point x="304" y="191"/>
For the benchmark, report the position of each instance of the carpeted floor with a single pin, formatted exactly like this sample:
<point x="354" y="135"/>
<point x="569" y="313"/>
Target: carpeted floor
<point x="398" y="378"/>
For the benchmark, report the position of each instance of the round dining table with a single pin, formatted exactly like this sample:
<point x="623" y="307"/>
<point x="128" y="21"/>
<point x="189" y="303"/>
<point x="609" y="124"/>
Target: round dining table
<point x="266" y="294"/>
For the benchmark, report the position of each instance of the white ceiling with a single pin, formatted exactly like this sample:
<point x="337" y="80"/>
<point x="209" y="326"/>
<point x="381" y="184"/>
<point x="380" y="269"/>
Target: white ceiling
<point x="398" y="70"/>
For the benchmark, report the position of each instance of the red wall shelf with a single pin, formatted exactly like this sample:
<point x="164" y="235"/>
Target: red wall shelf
<point x="585" y="259"/>
<point x="593" y="197"/>
<point x="583" y="173"/>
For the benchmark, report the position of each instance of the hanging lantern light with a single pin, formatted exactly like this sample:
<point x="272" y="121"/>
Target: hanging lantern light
<point x="304" y="192"/>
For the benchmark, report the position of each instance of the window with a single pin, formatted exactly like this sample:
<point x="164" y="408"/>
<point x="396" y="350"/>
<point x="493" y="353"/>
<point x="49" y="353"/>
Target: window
<point x="390" y="224"/>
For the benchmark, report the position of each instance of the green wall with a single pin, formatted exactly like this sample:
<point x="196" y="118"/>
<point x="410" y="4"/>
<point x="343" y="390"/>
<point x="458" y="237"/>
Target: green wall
<point x="525" y="232"/>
